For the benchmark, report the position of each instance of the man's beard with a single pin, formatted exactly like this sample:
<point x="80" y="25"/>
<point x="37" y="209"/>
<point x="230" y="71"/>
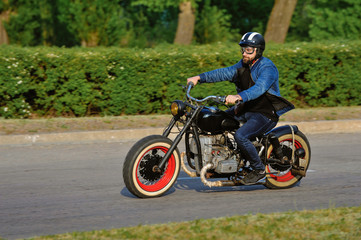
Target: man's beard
<point x="248" y="61"/>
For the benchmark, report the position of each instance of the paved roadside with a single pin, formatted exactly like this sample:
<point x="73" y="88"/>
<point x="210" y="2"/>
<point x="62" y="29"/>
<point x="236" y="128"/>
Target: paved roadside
<point x="312" y="127"/>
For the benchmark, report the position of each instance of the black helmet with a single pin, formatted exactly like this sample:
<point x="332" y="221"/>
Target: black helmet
<point x="254" y="39"/>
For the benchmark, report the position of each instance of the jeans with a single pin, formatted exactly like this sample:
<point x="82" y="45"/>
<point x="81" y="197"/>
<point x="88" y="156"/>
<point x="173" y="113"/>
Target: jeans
<point x="256" y="124"/>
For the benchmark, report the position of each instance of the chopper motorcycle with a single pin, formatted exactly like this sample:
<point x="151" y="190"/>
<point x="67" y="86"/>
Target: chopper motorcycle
<point x="152" y="165"/>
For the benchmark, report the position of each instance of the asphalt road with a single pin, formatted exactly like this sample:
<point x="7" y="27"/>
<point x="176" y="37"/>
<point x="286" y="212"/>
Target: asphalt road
<point x="59" y="188"/>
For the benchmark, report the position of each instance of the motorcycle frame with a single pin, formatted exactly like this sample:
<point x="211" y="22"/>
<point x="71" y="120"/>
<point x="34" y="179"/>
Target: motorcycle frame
<point x="179" y="137"/>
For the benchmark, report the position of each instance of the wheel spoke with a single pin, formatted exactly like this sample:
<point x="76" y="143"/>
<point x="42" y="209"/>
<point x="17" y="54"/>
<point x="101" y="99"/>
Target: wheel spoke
<point x="147" y="178"/>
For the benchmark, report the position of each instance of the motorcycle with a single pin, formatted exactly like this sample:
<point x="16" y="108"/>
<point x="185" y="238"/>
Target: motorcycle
<point x="152" y="165"/>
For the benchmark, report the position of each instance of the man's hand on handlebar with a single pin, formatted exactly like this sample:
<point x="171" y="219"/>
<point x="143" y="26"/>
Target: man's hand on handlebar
<point x="233" y="99"/>
<point x="230" y="99"/>
<point x="194" y="80"/>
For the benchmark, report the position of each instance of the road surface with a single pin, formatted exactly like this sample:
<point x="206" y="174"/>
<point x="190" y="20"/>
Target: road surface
<point x="59" y="188"/>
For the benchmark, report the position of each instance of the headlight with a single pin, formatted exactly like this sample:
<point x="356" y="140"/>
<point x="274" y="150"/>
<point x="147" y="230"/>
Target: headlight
<point x="178" y="108"/>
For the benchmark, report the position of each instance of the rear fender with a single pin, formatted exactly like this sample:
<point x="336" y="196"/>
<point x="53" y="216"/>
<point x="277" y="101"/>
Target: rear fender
<point x="282" y="130"/>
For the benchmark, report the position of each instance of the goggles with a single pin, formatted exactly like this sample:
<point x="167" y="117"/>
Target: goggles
<point x="248" y="50"/>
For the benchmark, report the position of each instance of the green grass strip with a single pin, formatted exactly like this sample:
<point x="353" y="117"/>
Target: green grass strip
<point x="333" y="223"/>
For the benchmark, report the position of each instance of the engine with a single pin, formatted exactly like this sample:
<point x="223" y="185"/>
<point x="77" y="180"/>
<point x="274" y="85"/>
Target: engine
<point x="217" y="150"/>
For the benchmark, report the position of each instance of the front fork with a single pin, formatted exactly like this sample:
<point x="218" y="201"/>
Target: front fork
<point x="170" y="126"/>
<point x="176" y="141"/>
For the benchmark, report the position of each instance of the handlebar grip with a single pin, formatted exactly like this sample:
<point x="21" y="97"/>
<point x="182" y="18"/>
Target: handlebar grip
<point x="191" y="84"/>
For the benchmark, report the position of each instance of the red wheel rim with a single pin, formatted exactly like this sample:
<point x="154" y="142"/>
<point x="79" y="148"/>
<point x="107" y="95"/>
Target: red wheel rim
<point x="165" y="178"/>
<point x="287" y="176"/>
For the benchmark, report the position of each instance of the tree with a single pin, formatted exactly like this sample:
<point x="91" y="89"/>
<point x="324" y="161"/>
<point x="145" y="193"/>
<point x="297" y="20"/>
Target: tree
<point x="186" y="22"/>
<point x="186" y="17"/>
<point x="4" y="17"/>
<point x="279" y="21"/>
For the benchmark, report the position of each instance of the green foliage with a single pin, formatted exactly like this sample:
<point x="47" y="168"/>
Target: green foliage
<point x="149" y="28"/>
<point x="133" y="23"/>
<point x="338" y="19"/>
<point x="94" y="22"/>
<point x="30" y="28"/>
<point x="246" y="15"/>
<point x="3" y="6"/>
<point x="35" y="22"/>
<point x="158" y="5"/>
<point x="213" y="25"/>
<point x="145" y="23"/>
<point x="323" y="74"/>
<point x="321" y="19"/>
<point x="300" y="22"/>
<point x="36" y="82"/>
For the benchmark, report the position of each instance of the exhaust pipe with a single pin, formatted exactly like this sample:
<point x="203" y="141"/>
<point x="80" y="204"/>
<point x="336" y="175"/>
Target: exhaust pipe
<point x="184" y="167"/>
<point x="213" y="183"/>
<point x="203" y="175"/>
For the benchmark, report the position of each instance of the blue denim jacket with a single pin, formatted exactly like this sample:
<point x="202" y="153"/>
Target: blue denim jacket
<point x="265" y="75"/>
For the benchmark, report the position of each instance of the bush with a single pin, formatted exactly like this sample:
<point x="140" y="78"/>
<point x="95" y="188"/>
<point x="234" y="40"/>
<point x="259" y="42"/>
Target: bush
<point x="324" y="74"/>
<point x="43" y="81"/>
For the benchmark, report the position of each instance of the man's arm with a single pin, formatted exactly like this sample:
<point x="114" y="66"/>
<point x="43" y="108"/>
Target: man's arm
<point x="221" y="74"/>
<point x="267" y="77"/>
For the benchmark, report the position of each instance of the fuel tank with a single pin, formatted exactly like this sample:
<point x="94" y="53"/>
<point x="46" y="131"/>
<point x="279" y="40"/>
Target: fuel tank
<point x="216" y="121"/>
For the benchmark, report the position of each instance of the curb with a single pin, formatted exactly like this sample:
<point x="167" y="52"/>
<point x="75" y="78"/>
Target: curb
<point x="314" y="127"/>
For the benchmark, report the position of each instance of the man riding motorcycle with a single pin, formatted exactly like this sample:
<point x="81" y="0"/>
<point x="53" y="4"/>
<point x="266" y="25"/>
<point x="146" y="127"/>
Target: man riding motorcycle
<point x="258" y="96"/>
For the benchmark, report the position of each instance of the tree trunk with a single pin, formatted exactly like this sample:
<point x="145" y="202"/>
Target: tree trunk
<point x="279" y="20"/>
<point x="92" y="40"/>
<point x="186" y="22"/>
<point x="4" y="16"/>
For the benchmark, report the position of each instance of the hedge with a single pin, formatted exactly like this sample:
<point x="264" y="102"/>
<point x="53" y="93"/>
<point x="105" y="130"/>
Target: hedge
<point x="50" y="82"/>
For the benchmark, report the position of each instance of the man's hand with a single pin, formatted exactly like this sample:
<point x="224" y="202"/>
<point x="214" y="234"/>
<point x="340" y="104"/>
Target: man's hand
<point x="194" y="80"/>
<point x="232" y="99"/>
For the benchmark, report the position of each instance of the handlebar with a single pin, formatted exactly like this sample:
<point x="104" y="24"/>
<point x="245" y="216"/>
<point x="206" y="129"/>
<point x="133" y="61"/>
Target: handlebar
<point x="190" y="85"/>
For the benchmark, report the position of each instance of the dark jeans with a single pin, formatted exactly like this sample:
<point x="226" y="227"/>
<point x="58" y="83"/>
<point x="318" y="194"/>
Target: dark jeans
<point x="255" y="125"/>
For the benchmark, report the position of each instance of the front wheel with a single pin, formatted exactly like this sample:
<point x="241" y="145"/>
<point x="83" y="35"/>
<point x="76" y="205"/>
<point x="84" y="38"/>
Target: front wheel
<point x="138" y="169"/>
<point x="285" y="177"/>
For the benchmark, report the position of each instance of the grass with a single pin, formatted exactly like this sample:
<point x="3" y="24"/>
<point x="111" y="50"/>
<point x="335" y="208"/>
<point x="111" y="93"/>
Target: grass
<point x="28" y="126"/>
<point x="333" y="223"/>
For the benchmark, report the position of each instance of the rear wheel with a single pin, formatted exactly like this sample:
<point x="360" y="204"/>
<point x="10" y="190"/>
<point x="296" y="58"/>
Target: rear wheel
<point x="139" y="174"/>
<point x="285" y="178"/>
